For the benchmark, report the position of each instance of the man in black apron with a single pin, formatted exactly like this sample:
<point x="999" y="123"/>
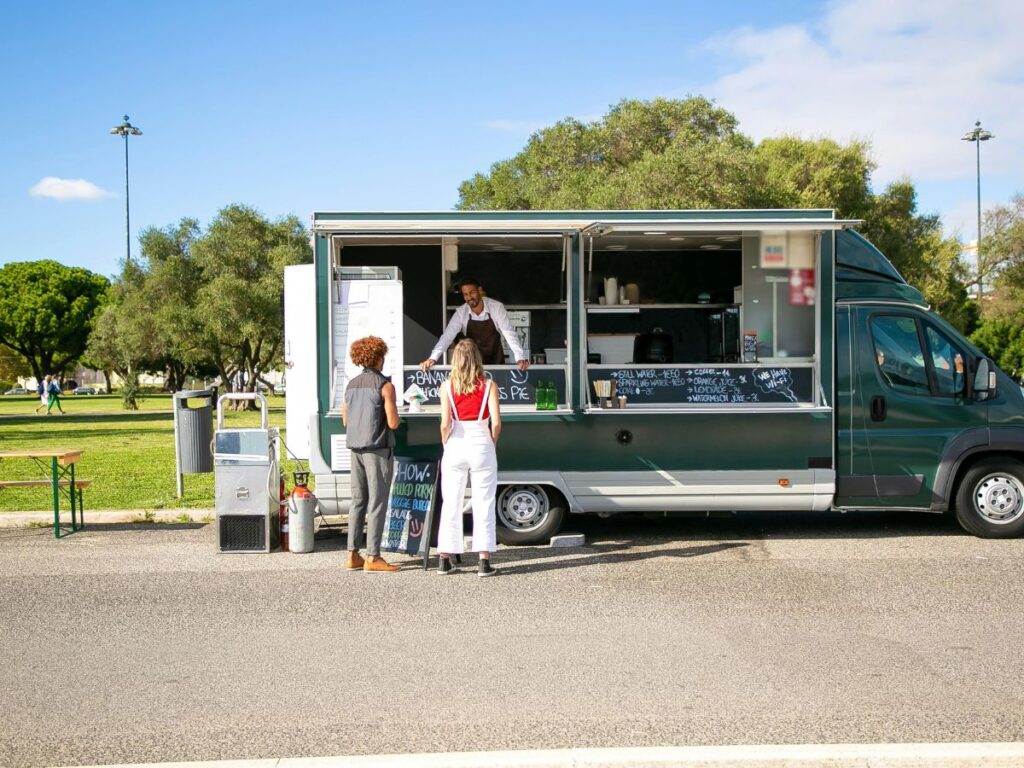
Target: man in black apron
<point x="483" y="320"/>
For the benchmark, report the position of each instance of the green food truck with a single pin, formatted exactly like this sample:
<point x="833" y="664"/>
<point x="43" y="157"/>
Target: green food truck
<point x="680" y="361"/>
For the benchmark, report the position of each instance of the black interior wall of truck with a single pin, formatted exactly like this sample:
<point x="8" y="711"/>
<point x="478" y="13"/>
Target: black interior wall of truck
<point x="421" y="288"/>
<point x="671" y="277"/>
<point x="513" y="277"/>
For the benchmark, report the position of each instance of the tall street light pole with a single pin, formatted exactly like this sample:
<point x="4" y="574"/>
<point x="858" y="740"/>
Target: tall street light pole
<point x="126" y="129"/>
<point x="977" y="135"/>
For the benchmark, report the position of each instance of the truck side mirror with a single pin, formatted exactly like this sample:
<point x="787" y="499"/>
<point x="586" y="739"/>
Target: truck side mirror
<point x="984" y="380"/>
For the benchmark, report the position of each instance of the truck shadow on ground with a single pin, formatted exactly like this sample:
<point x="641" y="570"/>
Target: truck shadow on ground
<point x="507" y="560"/>
<point x="881" y="524"/>
<point x="635" y="536"/>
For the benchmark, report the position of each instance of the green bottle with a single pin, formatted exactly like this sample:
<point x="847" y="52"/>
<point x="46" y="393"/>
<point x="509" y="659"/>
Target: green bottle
<point x="540" y="396"/>
<point x="551" y="399"/>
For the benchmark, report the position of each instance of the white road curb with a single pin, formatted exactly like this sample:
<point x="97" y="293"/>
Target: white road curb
<point x="990" y="755"/>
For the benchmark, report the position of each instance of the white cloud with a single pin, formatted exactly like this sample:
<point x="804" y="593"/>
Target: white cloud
<point x="67" y="189"/>
<point x="910" y="76"/>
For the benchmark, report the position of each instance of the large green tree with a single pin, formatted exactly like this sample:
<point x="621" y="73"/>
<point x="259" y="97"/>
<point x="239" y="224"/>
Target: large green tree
<point x="665" y="153"/>
<point x="1001" y="271"/>
<point x="1002" y="253"/>
<point x="239" y="303"/>
<point x="203" y="301"/>
<point x="124" y="339"/>
<point x="1002" y="339"/>
<point x="815" y="173"/>
<point x="689" y="153"/>
<point x="47" y="312"/>
<point x="173" y="281"/>
<point x="672" y="153"/>
<point x="12" y="365"/>
<point x="914" y="243"/>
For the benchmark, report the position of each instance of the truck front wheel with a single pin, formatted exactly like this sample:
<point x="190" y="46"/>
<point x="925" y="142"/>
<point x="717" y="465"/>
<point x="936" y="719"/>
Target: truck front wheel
<point x="990" y="499"/>
<point x="528" y="514"/>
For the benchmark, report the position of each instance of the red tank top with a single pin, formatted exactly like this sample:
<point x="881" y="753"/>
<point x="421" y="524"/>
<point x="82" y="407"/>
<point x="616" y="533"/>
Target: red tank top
<point x="467" y="407"/>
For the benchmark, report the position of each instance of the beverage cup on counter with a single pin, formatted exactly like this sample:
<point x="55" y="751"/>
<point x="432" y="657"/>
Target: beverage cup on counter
<point x="601" y="300"/>
<point x="622" y="401"/>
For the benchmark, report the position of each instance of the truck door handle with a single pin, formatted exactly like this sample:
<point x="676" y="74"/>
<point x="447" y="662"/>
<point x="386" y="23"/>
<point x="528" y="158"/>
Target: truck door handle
<point x="878" y="408"/>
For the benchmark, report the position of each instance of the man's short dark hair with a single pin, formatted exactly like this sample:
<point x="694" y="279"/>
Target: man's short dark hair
<point x="467" y="281"/>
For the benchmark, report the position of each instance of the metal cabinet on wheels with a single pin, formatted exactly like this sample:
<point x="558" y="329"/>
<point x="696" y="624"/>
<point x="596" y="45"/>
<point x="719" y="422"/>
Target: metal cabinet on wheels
<point x="247" y="482"/>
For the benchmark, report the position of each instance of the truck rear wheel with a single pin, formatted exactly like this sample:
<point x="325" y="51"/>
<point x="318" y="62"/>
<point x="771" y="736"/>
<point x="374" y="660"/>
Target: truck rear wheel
<point x="990" y="499"/>
<point x="528" y="514"/>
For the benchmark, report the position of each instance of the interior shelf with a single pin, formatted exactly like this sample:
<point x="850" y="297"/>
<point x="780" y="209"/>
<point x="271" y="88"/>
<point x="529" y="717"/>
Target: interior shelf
<point x="631" y="307"/>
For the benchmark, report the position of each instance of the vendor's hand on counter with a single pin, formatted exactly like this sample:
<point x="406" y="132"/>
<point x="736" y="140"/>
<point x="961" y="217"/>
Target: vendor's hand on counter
<point x="523" y="364"/>
<point x="426" y="365"/>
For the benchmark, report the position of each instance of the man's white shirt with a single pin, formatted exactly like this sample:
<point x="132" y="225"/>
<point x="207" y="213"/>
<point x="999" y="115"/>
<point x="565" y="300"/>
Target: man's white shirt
<point x="495" y="310"/>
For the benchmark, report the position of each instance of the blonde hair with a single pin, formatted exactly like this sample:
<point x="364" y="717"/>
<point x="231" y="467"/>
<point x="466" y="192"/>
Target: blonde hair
<point x="467" y="367"/>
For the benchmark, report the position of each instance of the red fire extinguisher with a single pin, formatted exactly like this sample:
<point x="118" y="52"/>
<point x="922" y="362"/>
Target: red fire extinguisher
<point x="283" y="516"/>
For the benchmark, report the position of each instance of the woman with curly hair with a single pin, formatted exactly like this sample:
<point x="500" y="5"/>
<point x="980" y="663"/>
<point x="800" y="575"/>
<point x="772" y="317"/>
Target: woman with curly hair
<point x="370" y="414"/>
<point x="470" y="425"/>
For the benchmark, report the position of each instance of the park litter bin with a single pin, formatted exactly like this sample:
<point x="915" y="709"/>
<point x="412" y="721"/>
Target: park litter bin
<point x="193" y="433"/>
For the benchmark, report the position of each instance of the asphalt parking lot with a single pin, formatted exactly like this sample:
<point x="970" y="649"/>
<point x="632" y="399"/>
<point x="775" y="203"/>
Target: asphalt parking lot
<point x="138" y="643"/>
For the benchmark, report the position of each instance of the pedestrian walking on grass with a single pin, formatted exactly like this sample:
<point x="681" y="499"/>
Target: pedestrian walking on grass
<point x="42" y="391"/>
<point x="470" y="425"/>
<point x="370" y="415"/>
<point x="53" y="389"/>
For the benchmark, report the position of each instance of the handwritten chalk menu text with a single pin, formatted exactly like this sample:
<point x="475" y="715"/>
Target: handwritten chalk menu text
<point x="515" y="387"/>
<point x="749" y="384"/>
<point x="408" y="522"/>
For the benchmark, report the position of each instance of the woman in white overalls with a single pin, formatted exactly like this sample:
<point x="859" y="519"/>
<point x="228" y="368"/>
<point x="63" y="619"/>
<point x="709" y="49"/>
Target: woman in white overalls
<point x="470" y="425"/>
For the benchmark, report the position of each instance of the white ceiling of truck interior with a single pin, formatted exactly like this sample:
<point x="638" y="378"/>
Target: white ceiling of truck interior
<point x="725" y="241"/>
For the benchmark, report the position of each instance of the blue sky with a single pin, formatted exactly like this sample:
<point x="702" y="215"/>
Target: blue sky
<point x="303" y="106"/>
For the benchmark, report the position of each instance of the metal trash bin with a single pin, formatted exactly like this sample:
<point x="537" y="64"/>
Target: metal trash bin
<point x="193" y="433"/>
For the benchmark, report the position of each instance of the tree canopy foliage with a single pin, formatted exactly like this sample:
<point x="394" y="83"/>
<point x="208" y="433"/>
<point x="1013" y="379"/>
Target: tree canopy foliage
<point x="47" y="312"/>
<point x="916" y="247"/>
<point x="203" y="301"/>
<point x="670" y="153"/>
<point x="1001" y="269"/>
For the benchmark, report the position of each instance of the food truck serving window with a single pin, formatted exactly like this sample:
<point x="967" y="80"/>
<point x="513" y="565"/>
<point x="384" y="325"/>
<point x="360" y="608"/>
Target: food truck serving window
<point x="525" y="272"/>
<point x="698" y="318"/>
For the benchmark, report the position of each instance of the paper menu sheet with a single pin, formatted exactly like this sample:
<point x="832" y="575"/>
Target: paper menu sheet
<point x="519" y="319"/>
<point x="366" y="308"/>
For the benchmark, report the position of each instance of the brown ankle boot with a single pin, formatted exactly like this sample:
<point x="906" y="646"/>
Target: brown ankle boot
<point x="379" y="565"/>
<point x="354" y="561"/>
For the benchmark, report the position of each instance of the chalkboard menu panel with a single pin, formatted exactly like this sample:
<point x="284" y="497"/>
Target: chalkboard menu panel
<point x="755" y="384"/>
<point x="515" y="387"/>
<point x="409" y="520"/>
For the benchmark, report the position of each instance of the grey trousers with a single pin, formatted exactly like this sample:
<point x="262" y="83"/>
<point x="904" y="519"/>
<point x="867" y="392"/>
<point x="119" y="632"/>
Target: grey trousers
<point x="371" y="484"/>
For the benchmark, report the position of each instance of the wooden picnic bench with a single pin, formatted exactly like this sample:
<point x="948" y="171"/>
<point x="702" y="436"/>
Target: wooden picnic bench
<point x="39" y="483"/>
<point x="58" y="467"/>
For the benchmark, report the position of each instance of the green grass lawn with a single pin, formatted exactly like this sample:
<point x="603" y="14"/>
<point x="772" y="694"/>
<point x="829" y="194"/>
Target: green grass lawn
<point x="129" y="455"/>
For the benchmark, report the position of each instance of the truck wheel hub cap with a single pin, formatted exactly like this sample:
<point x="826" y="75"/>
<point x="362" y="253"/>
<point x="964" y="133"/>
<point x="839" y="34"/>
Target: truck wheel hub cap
<point x="1000" y="499"/>
<point x="522" y="508"/>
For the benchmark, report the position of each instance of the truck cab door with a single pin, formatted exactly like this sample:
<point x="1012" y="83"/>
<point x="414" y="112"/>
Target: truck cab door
<point x="910" y="402"/>
<point x="854" y="474"/>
